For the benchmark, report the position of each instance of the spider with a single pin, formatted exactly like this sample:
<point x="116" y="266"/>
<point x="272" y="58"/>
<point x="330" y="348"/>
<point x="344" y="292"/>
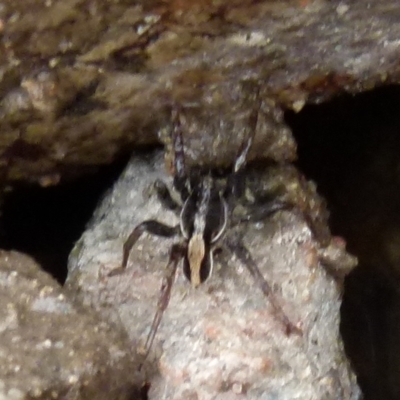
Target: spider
<point x="205" y="212"/>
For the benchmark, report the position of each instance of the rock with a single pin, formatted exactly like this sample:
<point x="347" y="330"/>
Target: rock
<point x="82" y="81"/>
<point x="52" y="348"/>
<point x="222" y="340"/>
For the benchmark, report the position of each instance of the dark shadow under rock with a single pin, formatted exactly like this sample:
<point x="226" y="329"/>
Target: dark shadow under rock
<point x="46" y="222"/>
<point x="351" y="148"/>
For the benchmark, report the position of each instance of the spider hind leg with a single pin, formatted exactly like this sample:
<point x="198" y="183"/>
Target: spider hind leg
<point x="238" y="248"/>
<point x="176" y="254"/>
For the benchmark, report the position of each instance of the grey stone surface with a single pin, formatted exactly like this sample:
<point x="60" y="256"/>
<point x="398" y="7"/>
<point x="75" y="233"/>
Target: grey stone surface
<point x="50" y="348"/>
<point x="220" y="341"/>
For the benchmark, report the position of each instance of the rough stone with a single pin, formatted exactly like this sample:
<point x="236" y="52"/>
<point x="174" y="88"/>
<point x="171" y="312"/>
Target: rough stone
<point x="220" y="341"/>
<point x="81" y="81"/>
<point x="51" y="348"/>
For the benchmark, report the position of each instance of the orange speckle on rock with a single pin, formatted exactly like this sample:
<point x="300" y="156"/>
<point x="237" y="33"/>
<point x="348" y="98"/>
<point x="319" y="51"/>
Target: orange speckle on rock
<point x="266" y="365"/>
<point x="212" y="332"/>
<point x="311" y="256"/>
<point x="304" y="3"/>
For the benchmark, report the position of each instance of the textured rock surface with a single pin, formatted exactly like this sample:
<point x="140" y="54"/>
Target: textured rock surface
<point x="49" y="347"/>
<point x="81" y="80"/>
<point x="221" y="340"/>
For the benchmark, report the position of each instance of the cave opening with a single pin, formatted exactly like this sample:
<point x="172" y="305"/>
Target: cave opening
<point x="350" y="147"/>
<point x="45" y="222"/>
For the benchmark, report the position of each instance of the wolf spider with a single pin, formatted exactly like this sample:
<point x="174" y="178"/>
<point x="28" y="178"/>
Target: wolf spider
<point x="205" y="212"/>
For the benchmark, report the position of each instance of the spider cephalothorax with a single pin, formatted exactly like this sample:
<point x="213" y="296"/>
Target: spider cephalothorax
<point x="205" y="214"/>
<point x="203" y="221"/>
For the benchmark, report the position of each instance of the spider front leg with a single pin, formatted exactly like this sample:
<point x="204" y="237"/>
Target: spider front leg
<point x="262" y="210"/>
<point x="239" y="249"/>
<point x="235" y="186"/>
<point x="181" y="180"/>
<point x="151" y="226"/>
<point x="165" y="198"/>
<point x="177" y="253"/>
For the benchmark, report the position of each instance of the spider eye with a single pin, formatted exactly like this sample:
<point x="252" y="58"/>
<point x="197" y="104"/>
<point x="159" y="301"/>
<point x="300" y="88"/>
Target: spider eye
<point x="204" y="272"/>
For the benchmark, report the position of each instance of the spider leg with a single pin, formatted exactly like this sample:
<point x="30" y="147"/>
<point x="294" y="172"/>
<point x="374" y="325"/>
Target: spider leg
<point x="176" y="254"/>
<point x="235" y="185"/>
<point x="180" y="175"/>
<point x="262" y="210"/>
<point x="151" y="226"/>
<point x="165" y="197"/>
<point x="244" y="256"/>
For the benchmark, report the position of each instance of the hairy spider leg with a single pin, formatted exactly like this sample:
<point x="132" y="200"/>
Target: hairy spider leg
<point x="165" y="198"/>
<point x="234" y="187"/>
<point x="176" y="254"/>
<point x="259" y="212"/>
<point x="151" y="226"/>
<point x="180" y="175"/>
<point x="244" y="256"/>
